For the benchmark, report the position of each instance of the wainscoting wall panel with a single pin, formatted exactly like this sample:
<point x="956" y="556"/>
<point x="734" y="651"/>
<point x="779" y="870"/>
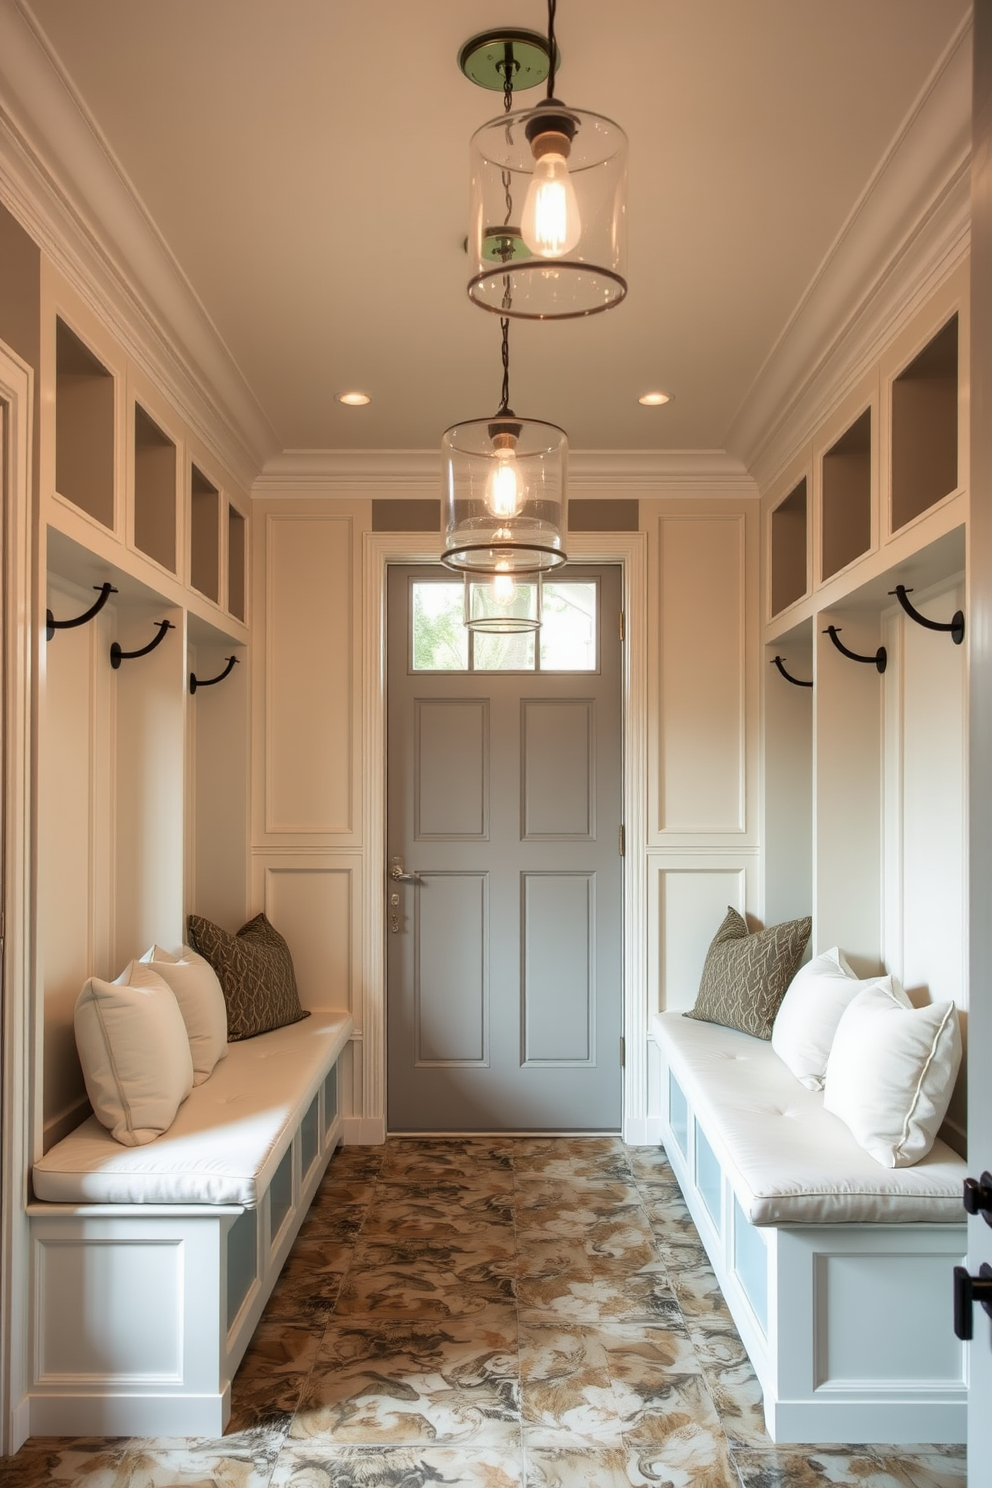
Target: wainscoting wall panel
<point x="692" y="900"/>
<point x="308" y="643"/>
<point x="313" y="901"/>
<point x="700" y="782"/>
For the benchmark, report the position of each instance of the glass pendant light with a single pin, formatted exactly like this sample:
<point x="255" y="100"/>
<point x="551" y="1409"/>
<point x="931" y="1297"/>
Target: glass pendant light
<point x="504" y="491"/>
<point x="503" y="604"/>
<point x="547" y="232"/>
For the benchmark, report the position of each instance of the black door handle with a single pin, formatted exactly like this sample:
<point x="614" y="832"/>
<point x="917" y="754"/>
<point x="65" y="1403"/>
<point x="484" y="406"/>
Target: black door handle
<point x="977" y="1196"/>
<point x="967" y="1291"/>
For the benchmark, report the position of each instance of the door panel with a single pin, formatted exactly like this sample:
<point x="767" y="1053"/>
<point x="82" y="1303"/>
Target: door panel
<point x="504" y="977"/>
<point x="559" y="784"/>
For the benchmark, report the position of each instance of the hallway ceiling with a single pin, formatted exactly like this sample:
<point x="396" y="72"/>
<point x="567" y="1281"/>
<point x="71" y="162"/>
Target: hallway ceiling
<point x="306" y="163"/>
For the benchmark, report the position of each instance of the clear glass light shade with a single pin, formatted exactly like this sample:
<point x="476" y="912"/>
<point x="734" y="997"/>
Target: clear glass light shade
<point x="504" y="604"/>
<point x="504" y="496"/>
<point x="547" y="229"/>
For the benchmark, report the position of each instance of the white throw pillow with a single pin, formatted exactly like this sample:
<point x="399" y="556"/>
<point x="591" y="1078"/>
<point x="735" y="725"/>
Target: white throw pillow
<point x="805" y="1024"/>
<point x="134" y="1052"/>
<point x="891" y="1073"/>
<point x="201" y="1002"/>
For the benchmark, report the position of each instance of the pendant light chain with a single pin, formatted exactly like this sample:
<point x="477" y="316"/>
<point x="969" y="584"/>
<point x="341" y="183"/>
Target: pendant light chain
<point x="504" y="402"/>
<point x="552" y="47"/>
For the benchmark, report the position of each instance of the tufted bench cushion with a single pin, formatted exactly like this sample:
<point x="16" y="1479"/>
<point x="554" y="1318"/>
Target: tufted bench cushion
<point x="228" y="1138"/>
<point x="787" y="1159"/>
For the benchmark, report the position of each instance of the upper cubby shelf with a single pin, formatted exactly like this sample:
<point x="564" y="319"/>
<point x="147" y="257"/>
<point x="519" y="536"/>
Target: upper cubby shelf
<point x="882" y="478"/>
<point x="925" y="427"/>
<point x="124" y="477"/>
<point x="154" y="494"/>
<point x="846" y="491"/>
<point x="85" y="432"/>
<point x="789" y="539"/>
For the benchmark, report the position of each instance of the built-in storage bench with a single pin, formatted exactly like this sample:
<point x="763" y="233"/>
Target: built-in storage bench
<point x="151" y="1265"/>
<point x="837" y="1271"/>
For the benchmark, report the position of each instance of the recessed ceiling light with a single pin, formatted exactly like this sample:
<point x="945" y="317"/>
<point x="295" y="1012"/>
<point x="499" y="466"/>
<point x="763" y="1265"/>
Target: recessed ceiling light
<point x="354" y="400"/>
<point x="654" y="400"/>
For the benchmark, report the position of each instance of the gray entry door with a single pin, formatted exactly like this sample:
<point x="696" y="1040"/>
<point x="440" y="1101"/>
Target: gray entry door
<point x="504" y="974"/>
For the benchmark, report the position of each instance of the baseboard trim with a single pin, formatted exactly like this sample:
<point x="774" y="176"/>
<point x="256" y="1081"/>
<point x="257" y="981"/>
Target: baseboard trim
<point x="363" y="1131"/>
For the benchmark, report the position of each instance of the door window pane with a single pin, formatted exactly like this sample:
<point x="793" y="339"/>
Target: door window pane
<point x="568" y="634"/>
<point x="567" y="638"/>
<point x="440" y="640"/>
<point x="503" y="653"/>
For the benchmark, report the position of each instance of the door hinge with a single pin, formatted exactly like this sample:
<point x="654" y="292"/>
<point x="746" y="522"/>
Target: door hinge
<point x="623" y="626"/>
<point x="623" y="841"/>
<point x="623" y="1052"/>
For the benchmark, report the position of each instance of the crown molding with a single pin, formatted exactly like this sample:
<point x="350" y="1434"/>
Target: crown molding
<point x="366" y="474"/>
<point x="907" y="231"/>
<point x="59" y="178"/>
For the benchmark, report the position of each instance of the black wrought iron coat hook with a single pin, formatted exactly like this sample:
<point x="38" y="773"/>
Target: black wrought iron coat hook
<point x="52" y="625"/>
<point x="778" y="661"/>
<point x="955" y="625"/>
<point x="117" y="655"/>
<point x="879" y="659"/>
<point x="195" y="682"/>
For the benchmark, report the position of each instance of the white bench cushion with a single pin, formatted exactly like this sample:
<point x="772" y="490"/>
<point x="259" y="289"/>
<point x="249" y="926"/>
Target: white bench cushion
<point x="787" y="1159"/>
<point x="228" y="1138"/>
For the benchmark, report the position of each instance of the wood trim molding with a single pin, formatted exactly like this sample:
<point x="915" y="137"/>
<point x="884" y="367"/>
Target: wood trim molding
<point x="907" y="232"/>
<point x="21" y="1004"/>
<point x="630" y="550"/>
<point x="599" y="473"/>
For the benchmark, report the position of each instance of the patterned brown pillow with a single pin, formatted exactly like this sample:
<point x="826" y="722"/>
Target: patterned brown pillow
<point x="255" y="971"/>
<point x="745" y="976"/>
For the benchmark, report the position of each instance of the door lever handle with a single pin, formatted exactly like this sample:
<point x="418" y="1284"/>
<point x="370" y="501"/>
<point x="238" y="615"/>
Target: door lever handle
<point x="967" y="1291"/>
<point x="977" y="1196"/>
<point x="398" y="876"/>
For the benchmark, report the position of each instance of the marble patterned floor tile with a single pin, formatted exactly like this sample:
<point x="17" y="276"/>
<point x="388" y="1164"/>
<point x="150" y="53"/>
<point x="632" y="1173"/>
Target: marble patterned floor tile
<point x="345" y="1190"/>
<point x="936" y="1469"/>
<point x="334" y="1222"/>
<point x="356" y="1161"/>
<point x="478" y="1162"/>
<point x="583" y="1298"/>
<point x="650" y="1163"/>
<point x="737" y="1396"/>
<point x="638" y="1353"/>
<point x="443" y="1210"/>
<point x="313" y="1466"/>
<point x="570" y="1462"/>
<point x="244" y="1461"/>
<point x="700" y="1297"/>
<point x="571" y="1207"/>
<point x="809" y="1467"/>
<point x="299" y="1296"/>
<point x="422" y="1282"/>
<point x="414" y="1382"/>
<point x="267" y="1387"/>
<point x="590" y="1158"/>
<point x="92" y="1462"/>
<point x="625" y="1253"/>
<point x="482" y="1258"/>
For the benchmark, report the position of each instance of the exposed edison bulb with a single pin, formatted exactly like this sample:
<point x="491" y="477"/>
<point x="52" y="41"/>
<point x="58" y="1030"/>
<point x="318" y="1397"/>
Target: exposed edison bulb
<point x="504" y="584"/>
<point x="504" y="497"/>
<point x="551" y="226"/>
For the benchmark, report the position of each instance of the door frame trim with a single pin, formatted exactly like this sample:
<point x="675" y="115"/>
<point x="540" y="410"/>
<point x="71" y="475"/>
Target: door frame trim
<point x="630" y="551"/>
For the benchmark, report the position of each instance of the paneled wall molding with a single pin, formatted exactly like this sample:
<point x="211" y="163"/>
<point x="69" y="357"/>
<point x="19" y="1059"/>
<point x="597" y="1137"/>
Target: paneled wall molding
<point x="60" y="180"/>
<point x="630" y="550"/>
<point x="600" y="473"/>
<point x="907" y="232"/>
<point x="667" y="853"/>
